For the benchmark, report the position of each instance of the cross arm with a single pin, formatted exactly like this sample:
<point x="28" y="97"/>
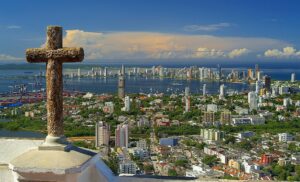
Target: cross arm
<point x="36" y="55"/>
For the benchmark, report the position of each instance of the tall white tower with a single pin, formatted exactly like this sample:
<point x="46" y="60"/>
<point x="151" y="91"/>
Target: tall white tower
<point x="293" y="77"/>
<point x="127" y="103"/>
<point x="102" y="134"/>
<point x="78" y="73"/>
<point x="105" y="72"/>
<point x="222" y="92"/>
<point x="257" y="86"/>
<point x="121" y="83"/>
<point x="121" y="134"/>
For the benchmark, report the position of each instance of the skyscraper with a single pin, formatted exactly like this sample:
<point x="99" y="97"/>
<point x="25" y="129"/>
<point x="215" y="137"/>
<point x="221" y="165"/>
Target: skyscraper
<point x="250" y="74"/>
<point x="105" y="72"/>
<point x="219" y="71"/>
<point x="252" y="100"/>
<point x="293" y="77"/>
<point x="121" y="83"/>
<point x="153" y="70"/>
<point x="187" y="103"/>
<point x="268" y="83"/>
<point x="256" y="70"/>
<point x="161" y="71"/>
<point x="102" y="134"/>
<point x="121" y="134"/>
<point x="222" y="92"/>
<point x="78" y="73"/>
<point x="187" y="91"/>
<point x="187" y="99"/>
<point x="127" y="104"/>
<point x="257" y="86"/>
<point x="204" y="90"/>
<point x="201" y="73"/>
<point x="258" y="76"/>
<point x="189" y="73"/>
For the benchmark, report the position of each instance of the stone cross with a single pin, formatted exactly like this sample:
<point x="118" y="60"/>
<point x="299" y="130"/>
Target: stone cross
<point x="54" y="55"/>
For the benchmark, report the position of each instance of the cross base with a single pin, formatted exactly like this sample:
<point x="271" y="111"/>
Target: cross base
<point x="55" y="143"/>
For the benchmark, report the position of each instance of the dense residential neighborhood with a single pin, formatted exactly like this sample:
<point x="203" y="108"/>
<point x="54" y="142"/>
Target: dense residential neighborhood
<point x="231" y="135"/>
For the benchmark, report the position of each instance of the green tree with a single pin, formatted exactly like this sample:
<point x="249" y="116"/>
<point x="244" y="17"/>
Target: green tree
<point x="172" y="172"/>
<point x="210" y="160"/>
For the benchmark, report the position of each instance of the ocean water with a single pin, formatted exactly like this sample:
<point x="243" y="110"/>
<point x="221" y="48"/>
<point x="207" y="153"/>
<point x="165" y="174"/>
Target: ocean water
<point x="11" y="75"/>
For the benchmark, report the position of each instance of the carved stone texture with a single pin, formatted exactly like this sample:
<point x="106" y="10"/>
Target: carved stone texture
<point x="54" y="55"/>
<point x="63" y="55"/>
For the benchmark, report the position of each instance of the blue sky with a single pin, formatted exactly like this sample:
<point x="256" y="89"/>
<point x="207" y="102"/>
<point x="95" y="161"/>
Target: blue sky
<point x="157" y="29"/>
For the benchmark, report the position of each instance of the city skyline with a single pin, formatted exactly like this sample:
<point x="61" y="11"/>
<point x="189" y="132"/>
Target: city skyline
<point x="134" y="31"/>
<point x="153" y="91"/>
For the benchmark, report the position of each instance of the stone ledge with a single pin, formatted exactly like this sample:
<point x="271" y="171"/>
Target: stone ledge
<point x="53" y="161"/>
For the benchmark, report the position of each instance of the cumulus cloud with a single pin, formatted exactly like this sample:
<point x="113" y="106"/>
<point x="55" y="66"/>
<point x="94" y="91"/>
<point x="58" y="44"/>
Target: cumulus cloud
<point x="203" y="52"/>
<point x="286" y="52"/>
<point x="149" y="45"/>
<point x="238" y="52"/>
<point x="211" y="27"/>
<point x="5" y="57"/>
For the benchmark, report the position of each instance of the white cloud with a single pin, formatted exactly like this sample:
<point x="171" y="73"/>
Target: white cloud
<point x="286" y="52"/>
<point x="13" y="27"/>
<point x="238" y="52"/>
<point x="211" y="27"/>
<point x="149" y="45"/>
<point x="5" y="57"/>
<point x="203" y="52"/>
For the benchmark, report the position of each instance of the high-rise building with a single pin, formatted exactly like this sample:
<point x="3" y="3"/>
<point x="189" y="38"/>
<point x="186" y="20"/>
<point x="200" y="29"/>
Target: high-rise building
<point x="187" y="99"/>
<point x="121" y="134"/>
<point x="257" y="86"/>
<point x="252" y="100"/>
<point x="127" y="104"/>
<point x="204" y="90"/>
<point x="187" y="91"/>
<point x="161" y="71"/>
<point x="134" y="71"/>
<point x="225" y="117"/>
<point x="259" y="75"/>
<point x="222" y="92"/>
<point x="78" y="73"/>
<point x="244" y="75"/>
<point x="187" y="103"/>
<point x="153" y="70"/>
<point x="204" y="73"/>
<point x="268" y="83"/>
<point x="189" y="73"/>
<point x="293" y="77"/>
<point x="250" y="74"/>
<point x="219" y="71"/>
<point x="105" y="72"/>
<point x="121" y="83"/>
<point x="256" y="70"/>
<point x="102" y="134"/>
<point x="275" y="91"/>
<point x="208" y="117"/>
